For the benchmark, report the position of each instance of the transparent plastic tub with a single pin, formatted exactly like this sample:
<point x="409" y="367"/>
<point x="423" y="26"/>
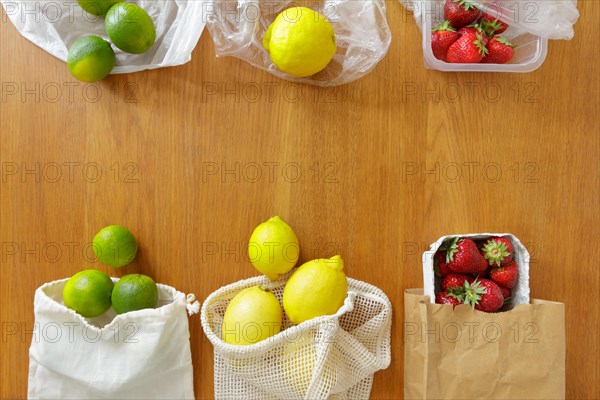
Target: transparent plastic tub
<point x="530" y="50"/>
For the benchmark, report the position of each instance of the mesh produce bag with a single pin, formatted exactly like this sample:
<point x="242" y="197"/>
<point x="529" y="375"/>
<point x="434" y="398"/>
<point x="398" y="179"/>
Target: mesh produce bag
<point x="333" y="356"/>
<point x="362" y="35"/>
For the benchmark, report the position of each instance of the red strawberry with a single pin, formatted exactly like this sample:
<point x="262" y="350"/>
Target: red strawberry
<point x="491" y="25"/>
<point x="455" y="281"/>
<point x="463" y="256"/>
<point x="446" y="298"/>
<point x="497" y="251"/>
<point x="472" y="29"/>
<point x="500" y="51"/>
<point x="469" y="48"/>
<point x="466" y="29"/>
<point x="506" y="276"/>
<point x="506" y="292"/>
<point x="441" y="39"/>
<point x="440" y="267"/>
<point x="460" y="13"/>
<point x="483" y="295"/>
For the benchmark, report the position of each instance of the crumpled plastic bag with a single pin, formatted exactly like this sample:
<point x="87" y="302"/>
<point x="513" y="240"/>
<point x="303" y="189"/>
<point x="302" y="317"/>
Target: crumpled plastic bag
<point x="362" y="35"/>
<point x="551" y="19"/>
<point x="55" y="25"/>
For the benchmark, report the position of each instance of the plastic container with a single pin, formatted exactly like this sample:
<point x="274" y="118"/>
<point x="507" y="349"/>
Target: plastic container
<point x="520" y="293"/>
<point x="530" y="50"/>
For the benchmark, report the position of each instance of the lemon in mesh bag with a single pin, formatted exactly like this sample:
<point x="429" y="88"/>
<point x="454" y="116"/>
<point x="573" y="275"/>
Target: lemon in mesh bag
<point x="329" y="357"/>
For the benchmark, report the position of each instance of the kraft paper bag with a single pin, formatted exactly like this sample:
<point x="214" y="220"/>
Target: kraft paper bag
<point x="468" y="354"/>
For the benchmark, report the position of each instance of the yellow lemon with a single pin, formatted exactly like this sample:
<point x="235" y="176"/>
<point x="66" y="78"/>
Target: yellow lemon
<point x="316" y="288"/>
<point x="253" y="315"/>
<point x="298" y="364"/>
<point x="90" y="59"/>
<point x="301" y="41"/>
<point x="273" y="248"/>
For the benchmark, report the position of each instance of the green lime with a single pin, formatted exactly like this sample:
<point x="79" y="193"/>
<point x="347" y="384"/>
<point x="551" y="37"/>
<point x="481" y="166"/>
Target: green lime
<point x="130" y="28"/>
<point x="90" y="58"/>
<point x="115" y="246"/>
<point x="88" y="293"/>
<point x="134" y="292"/>
<point x="97" y="7"/>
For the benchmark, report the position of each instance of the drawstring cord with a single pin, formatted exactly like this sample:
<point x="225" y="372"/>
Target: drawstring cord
<point x="193" y="305"/>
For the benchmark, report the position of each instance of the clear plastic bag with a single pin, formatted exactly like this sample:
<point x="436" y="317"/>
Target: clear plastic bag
<point x="362" y="35"/>
<point x="54" y="26"/>
<point x="552" y="19"/>
<point x="329" y="357"/>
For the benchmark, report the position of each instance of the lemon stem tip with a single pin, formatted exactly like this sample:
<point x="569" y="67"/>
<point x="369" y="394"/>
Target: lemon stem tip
<point x="336" y="263"/>
<point x="272" y="277"/>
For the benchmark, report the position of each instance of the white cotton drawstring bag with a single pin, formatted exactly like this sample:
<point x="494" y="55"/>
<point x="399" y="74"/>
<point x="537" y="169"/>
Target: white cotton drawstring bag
<point x="330" y="357"/>
<point x="141" y="354"/>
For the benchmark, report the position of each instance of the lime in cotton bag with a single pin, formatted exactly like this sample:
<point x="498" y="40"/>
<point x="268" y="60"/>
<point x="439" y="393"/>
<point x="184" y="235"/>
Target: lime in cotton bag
<point x="139" y="354"/>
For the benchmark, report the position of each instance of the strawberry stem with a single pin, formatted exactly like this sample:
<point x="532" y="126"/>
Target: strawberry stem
<point x="444" y="26"/>
<point x="452" y="249"/>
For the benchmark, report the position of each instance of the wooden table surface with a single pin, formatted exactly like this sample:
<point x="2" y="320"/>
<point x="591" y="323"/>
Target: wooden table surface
<point x="192" y="158"/>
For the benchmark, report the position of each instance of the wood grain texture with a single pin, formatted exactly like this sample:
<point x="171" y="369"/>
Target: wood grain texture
<point x="375" y="170"/>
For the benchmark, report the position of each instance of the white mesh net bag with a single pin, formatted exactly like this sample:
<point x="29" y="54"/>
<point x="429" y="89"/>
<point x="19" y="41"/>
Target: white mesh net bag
<point x="330" y="357"/>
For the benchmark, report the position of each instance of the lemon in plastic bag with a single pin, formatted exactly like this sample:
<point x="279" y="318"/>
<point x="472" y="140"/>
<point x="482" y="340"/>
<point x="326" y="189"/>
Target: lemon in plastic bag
<point x="300" y="41"/>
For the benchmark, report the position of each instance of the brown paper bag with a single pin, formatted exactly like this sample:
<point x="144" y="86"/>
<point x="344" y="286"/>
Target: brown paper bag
<point x="466" y="354"/>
